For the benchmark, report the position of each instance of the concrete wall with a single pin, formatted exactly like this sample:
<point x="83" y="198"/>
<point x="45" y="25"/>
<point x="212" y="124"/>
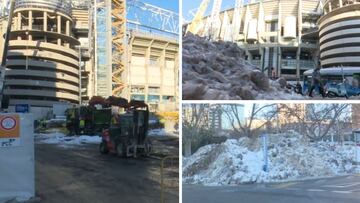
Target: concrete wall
<point x="17" y="171"/>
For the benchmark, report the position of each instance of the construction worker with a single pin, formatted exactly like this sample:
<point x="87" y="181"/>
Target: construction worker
<point x="82" y="125"/>
<point x="114" y="119"/>
<point x="316" y="82"/>
<point x="298" y="88"/>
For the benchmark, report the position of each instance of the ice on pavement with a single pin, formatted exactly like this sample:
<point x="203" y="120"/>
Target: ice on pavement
<point x="290" y="155"/>
<point x="61" y="139"/>
<point x="157" y="132"/>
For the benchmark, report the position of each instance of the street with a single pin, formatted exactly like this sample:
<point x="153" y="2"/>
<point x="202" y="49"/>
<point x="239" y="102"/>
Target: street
<point x="81" y="174"/>
<point x="344" y="189"/>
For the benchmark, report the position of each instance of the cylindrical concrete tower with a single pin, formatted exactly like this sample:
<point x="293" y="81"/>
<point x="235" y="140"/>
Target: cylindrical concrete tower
<point x="340" y="34"/>
<point x="42" y="63"/>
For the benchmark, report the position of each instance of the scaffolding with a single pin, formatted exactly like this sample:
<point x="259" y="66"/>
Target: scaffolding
<point x="118" y="25"/>
<point x="115" y="20"/>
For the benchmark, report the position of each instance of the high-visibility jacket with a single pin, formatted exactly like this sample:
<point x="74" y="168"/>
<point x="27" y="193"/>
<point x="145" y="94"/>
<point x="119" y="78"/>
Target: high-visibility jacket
<point x="82" y="123"/>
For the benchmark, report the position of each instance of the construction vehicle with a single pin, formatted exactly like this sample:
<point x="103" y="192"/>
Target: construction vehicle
<point x="128" y="135"/>
<point x="4" y="100"/>
<point x="92" y="119"/>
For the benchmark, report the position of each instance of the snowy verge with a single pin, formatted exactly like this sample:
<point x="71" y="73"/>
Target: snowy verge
<point x="291" y="157"/>
<point x="63" y="140"/>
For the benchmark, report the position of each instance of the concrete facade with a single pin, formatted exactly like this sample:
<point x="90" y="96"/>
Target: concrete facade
<point x="43" y="58"/>
<point x="271" y="33"/>
<point x="339" y="33"/>
<point x="153" y="70"/>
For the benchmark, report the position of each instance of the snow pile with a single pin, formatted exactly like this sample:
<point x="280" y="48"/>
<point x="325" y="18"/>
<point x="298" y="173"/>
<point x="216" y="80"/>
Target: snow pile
<point x="218" y="70"/>
<point x="290" y="157"/>
<point x="61" y="139"/>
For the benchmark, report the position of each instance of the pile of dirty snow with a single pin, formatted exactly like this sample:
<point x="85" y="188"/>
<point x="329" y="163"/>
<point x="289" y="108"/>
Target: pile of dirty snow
<point x="218" y="70"/>
<point x="63" y="140"/>
<point x="290" y="155"/>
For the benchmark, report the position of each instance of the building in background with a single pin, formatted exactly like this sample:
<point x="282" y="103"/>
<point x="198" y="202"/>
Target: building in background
<point x="67" y="51"/>
<point x="271" y="33"/>
<point x="48" y="42"/>
<point x="339" y="34"/>
<point x="149" y="69"/>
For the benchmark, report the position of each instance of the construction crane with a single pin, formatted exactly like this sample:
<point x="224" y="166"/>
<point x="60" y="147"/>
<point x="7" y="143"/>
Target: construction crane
<point x="195" y="25"/>
<point x="213" y="24"/>
<point x="4" y="55"/>
<point x="236" y="19"/>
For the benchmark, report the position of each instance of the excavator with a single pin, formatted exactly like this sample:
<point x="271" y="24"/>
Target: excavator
<point x="5" y="99"/>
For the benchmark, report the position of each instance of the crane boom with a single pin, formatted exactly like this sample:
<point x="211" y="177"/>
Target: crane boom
<point x="195" y="24"/>
<point x="213" y="24"/>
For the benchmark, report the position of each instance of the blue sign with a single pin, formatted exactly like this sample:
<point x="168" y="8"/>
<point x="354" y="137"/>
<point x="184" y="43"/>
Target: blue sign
<point x="22" y="108"/>
<point x="265" y="152"/>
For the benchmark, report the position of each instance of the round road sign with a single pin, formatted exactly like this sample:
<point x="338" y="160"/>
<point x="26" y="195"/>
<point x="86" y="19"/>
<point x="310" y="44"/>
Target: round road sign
<point x="8" y="123"/>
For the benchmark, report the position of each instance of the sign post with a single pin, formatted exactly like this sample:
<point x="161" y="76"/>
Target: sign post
<point x="265" y="152"/>
<point x="17" y="167"/>
<point x="9" y="130"/>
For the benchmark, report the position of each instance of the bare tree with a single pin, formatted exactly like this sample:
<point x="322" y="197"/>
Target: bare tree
<point x="246" y="127"/>
<point x="317" y="119"/>
<point x="195" y="125"/>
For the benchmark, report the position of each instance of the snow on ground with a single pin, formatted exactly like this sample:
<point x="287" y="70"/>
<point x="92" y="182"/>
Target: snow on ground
<point x="63" y="140"/>
<point x="157" y="132"/>
<point x="291" y="157"/>
<point x="162" y="132"/>
<point x="218" y="70"/>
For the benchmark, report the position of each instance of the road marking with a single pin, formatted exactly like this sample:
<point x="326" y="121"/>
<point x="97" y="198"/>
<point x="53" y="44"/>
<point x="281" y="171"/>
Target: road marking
<point x="315" y="190"/>
<point x="342" y="186"/>
<point x="293" y="188"/>
<point x="342" y="192"/>
<point x="284" y="185"/>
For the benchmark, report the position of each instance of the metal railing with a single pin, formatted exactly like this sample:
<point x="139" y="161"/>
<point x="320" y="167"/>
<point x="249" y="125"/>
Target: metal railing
<point x="59" y="5"/>
<point x="169" y="174"/>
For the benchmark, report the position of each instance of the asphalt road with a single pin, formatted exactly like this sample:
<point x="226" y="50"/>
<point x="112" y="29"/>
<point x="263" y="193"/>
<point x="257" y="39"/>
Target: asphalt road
<point x="345" y="189"/>
<point x="81" y="174"/>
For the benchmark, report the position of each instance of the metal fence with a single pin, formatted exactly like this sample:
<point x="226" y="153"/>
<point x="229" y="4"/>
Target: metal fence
<point x="169" y="173"/>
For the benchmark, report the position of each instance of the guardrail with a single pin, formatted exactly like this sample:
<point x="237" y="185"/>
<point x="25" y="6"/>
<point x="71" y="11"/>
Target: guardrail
<point x="169" y="174"/>
<point x="60" y="5"/>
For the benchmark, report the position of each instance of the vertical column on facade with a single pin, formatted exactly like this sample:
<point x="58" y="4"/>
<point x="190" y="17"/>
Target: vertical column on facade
<point x="67" y="32"/>
<point x="59" y="28"/>
<point x="279" y="65"/>
<point x="176" y="72"/>
<point x="45" y="23"/>
<point x="30" y="23"/>
<point x="246" y="22"/>
<point x="278" y="68"/>
<point x="261" y="23"/>
<point x="19" y="18"/>
<point x="262" y="53"/>
<point x="298" y="52"/>
<point x="249" y="56"/>
<point x="162" y="67"/>
<point x="147" y="60"/>
<point x="340" y="3"/>
<point x="330" y="8"/>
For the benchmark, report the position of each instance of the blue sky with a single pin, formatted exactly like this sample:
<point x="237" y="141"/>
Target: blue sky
<point x="172" y="5"/>
<point x="193" y="5"/>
